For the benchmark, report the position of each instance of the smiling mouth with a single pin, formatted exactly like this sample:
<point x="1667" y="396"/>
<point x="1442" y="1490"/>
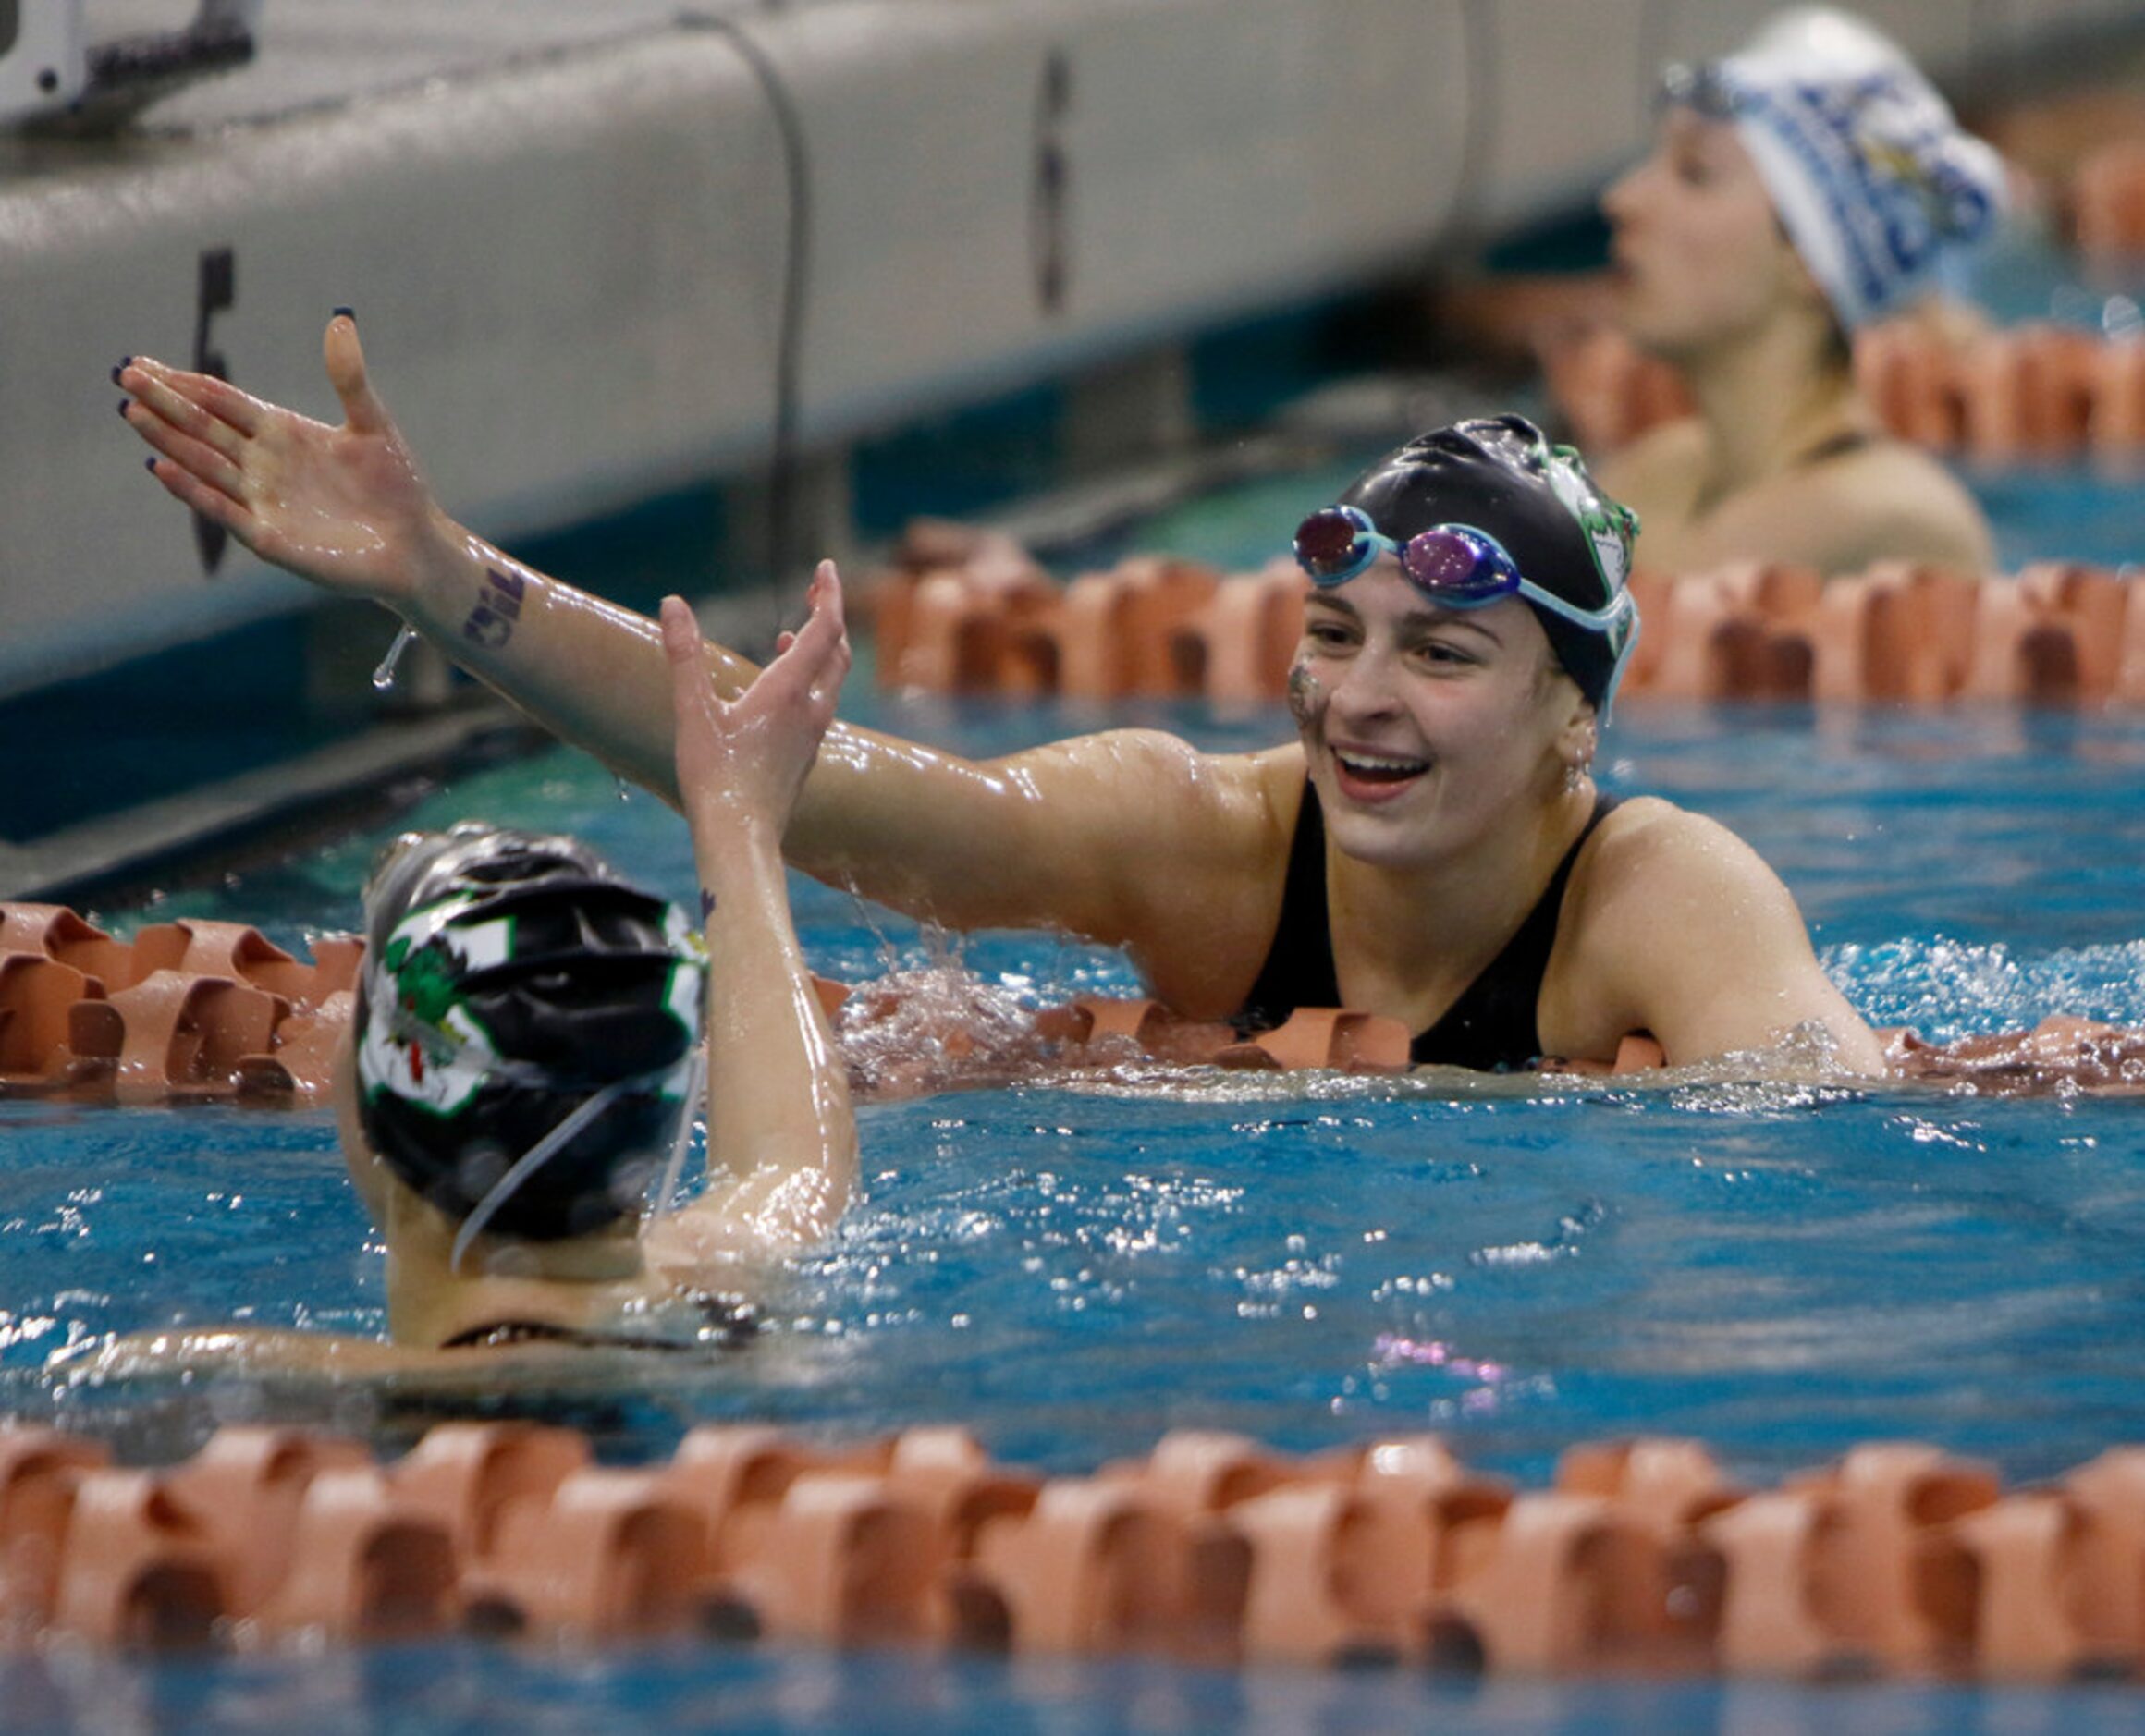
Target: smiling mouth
<point x="1380" y="768"/>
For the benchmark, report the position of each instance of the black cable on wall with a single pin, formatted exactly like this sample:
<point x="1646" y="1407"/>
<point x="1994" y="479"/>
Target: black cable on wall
<point x="782" y="456"/>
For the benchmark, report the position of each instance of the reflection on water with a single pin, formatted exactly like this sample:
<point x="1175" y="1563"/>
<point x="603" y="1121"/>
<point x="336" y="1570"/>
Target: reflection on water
<point x="1782" y="1271"/>
<point x="1074" y="1261"/>
<point x="890" y="1694"/>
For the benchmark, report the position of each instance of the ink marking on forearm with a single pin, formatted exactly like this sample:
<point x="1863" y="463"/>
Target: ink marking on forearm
<point x="491" y="623"/>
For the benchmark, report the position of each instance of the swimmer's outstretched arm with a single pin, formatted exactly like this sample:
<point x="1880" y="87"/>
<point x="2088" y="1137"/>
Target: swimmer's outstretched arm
<point x="782" y="1140"/>
<point x="1066" y="836"/>
<point x="348" y="508"/>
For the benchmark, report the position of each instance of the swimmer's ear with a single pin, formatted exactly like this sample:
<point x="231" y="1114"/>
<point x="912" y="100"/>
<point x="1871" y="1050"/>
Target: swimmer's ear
<point x="1581" y="728"/>
<point x="345" y="358"/>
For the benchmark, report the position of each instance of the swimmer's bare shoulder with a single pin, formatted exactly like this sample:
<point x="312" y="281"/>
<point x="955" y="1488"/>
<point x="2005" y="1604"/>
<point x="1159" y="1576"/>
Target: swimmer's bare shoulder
<point x="1893" y="501"/>
<point x="1200" y="877"/>
<point x="1673" y="926"/>
<point x="1660" y="467"/>
<point x="1886" y="501"/>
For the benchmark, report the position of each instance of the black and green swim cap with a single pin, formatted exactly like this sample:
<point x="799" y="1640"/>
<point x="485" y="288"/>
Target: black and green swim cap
<point x="520" y="998"/>
<point x="1500" y="474"/>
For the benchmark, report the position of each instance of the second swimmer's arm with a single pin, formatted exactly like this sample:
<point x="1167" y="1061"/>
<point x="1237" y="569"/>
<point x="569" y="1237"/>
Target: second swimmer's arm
<point x="1066" y="836"/>
<point x="781" y="1138"/>
<point x="1062" y="836"/>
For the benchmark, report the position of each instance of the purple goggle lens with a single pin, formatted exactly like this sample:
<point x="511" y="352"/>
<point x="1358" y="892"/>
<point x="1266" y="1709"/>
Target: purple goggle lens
<point x="1335" y="544"/>
<point x="1458" y="568"/>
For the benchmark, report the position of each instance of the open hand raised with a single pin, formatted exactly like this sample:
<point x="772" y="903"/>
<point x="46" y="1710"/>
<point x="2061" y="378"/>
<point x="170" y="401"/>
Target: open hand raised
<point x="745" y="759"/>
<point x="343" y="506"/>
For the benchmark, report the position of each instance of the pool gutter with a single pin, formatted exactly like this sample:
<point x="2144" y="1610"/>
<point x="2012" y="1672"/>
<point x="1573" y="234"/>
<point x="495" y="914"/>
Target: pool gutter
<point x="124" y="850"/>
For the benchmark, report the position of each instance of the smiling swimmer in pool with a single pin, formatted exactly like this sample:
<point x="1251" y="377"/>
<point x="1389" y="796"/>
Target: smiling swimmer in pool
<point x="1447" y="716"/>
<point x="1796" y="190"/>
<point x="523" y="1057"/>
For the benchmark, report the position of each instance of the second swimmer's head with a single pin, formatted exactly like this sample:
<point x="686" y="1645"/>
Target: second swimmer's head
<point x="1873" y="181"/>
<point x="526" y="1020"/>
<point x="1488" y="508"/>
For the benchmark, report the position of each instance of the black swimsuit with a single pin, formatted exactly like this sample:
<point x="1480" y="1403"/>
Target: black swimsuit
<point x="1490" y="1027"/>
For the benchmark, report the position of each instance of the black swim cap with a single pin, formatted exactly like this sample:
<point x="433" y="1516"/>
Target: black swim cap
<point x="510" y="981"/>
<point x="1500" y="474"/>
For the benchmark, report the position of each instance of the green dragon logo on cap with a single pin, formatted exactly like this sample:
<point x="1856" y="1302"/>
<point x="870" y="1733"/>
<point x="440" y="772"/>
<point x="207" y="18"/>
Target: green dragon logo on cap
<point x="1611" y="527"/>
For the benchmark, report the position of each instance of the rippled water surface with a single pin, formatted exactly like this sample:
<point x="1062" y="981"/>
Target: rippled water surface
<point x="1076" y="1263"/>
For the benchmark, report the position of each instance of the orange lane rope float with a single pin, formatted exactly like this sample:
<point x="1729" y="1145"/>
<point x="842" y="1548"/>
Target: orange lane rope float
<point x="187" y="1009"/>
<point x="197" y="1010"/>
<point x="1896" y="1559"/>
<point x="973" y="613"/>
<point x="2035" y="391"/>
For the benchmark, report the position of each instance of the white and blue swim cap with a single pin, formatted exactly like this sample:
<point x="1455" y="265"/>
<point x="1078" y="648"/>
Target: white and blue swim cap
<point x="1872" y="177"/>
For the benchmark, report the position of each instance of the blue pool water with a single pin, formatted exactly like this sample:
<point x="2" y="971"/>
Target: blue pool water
<point x="1076" y="1264"/>
<point x="1081" y="1262"/>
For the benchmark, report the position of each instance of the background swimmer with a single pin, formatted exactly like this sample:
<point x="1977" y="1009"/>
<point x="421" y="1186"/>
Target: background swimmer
<point x="1796" y="191"/>
<point x="521" y="1063"/>
<point x="1450" y="754"/>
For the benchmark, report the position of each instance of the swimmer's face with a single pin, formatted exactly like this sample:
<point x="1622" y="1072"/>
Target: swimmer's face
<point x="1424" y="726"/>
<point x="1697" y="256"/>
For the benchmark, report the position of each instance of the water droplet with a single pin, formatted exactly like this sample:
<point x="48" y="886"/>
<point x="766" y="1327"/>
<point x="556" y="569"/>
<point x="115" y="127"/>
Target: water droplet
<point x="625" y="789"/>
<point x="383" y="677"/>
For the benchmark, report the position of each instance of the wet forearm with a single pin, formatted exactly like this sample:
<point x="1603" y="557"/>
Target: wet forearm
<point x="873" y="813"/>
<point x="779" y="1124"/>
<point x="928" y="833"/>
<point x="590" y="671"/>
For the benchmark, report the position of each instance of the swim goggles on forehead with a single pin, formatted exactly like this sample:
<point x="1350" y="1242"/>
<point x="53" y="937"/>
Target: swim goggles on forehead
<point x="1456" y="566"/>
<point x="1705" y="89"/>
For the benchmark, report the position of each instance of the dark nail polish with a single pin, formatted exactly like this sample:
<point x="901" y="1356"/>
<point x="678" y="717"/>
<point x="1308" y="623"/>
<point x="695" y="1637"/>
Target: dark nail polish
<point x="152" y="465"/>
<point x="120" y="369"/>
<point x="125" y="405"/>
<point x="345" y="313"/>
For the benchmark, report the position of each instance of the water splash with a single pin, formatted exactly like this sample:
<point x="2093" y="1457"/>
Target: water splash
<point x="383" y="677"/>
<point x="1946" y="988"/>
<point x="911" y="1031"/>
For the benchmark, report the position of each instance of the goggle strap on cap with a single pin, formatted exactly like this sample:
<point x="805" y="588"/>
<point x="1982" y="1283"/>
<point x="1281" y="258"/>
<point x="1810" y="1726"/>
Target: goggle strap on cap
<point x="1602" y="620"/>
<point x="527" y="1164"/>
<point x="695" y="1083"/>
<point x="1622" y="659"/>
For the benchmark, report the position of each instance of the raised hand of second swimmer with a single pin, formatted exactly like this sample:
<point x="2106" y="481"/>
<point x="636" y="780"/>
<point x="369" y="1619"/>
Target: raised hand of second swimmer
<point x="344" y="507"/>
<point x="746" y="759"/>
